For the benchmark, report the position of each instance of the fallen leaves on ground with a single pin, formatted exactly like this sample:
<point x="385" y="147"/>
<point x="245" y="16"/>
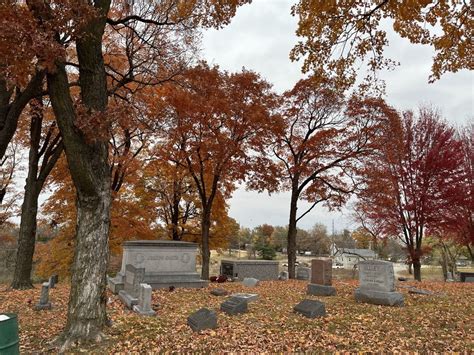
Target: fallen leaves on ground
<point x="440" y="322"/>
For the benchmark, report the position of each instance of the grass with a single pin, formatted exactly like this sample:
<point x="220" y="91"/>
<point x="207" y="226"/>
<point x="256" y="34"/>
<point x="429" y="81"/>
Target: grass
<point x="441" y="322"/>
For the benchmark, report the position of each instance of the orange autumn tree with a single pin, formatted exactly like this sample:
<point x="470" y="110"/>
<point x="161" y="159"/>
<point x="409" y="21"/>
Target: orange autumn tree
<point x="318" y="149"/>
<point x="214" y="120"/>
<point x="71" y="38"/>
<point x="337" y="35"/>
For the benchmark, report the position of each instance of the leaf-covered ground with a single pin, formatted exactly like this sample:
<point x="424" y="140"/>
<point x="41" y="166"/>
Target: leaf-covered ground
<point x="440" y="322"/>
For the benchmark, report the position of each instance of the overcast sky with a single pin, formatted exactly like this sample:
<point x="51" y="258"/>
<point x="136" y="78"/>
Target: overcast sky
<point x="260" y="38"/>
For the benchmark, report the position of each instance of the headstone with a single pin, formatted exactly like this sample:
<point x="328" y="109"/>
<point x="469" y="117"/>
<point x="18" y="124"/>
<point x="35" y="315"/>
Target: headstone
<point x="321" y="278"/>
<point x="449" y="276"/>
<point x="377" y="284"/>
<point x="133" y="278"/>
<point x="418" y="291"/>
<point x="44" y="298"/>
<point x="202" y="319"/>
<point x="234" y="305"/>
<point x="167" y="263"/>
<point x="303" y="273"/>
<point x="310" y="308"/>
<point x="144" y="301"/>
<point x="263" y="270"/>
<point x="250" y="282"/>
<point x="52" y="281"/>
<point x="466" y="276"/>
<point x="219" y="292"/>
<point x="283" y="276"/>
<point x="249" y="297"/>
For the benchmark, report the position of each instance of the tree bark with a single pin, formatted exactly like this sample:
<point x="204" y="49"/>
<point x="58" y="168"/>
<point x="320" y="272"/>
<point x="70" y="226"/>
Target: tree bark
<point x="206" y="253"/>
<point x="88" y="164"/>
<point x="50" y="151"/>
<point x="27" y="236"/>
<point x="291" y="247"/>
<point x="417" y="269"/>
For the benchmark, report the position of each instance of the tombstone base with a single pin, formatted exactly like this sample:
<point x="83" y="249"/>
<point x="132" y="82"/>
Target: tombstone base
<point x="127" y="299"/>
<point x="379" y="297"/>
<point x="143" y="312"/>
<point x="321" y="290"/>
<point x="41" y="307"/>
<point x="115" y="284"/>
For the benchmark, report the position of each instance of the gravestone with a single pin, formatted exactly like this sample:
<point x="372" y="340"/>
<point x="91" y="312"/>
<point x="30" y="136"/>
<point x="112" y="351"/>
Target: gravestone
<point x="250" y="282"/>
<point x="310" y="308"/>
<point x="52" y="281"/>
<point x="202" y="319"/>
<point x="44" y="298"/>
<point x="264" y="270"/>
<point x="303" y="273"/>
<point x="144" y="301"/>
<point x="283" y="276"/>
<point x="219" y="292"/>
<point x="133" y="278"/>
<point x="377" y="284"/>
<point x="249" y="297"/>
<point x="321" y="278"/>
<point x="234" y="305"/>
<point x="167" y="263"/>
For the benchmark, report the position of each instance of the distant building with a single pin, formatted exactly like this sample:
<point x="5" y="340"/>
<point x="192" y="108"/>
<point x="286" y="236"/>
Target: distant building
<point x="347" y="257"/>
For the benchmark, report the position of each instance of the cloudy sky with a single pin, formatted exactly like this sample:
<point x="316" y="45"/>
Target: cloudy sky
<point x="260" y="38"/>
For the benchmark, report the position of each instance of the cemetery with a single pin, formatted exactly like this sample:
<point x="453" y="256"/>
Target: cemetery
<point x="372" y="313"/>
<point x="213" y="177"/>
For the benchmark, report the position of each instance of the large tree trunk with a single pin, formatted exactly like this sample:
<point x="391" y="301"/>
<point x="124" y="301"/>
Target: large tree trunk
<point x="50" y="151"/>
<point x="206" y="253"/>
<point x="87" y="158"/>
<point x="27" y="236"/>
<point x="291" y="247"/>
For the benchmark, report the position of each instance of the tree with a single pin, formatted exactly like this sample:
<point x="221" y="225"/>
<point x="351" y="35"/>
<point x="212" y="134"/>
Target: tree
<point x="337" y="35"/>
<point x="214" y="122"/>
<point x="45" y="149"/>
<point x="71" y="34"/>
<point x="8" y="165"/>
<point x="415" y="179"/>
<point x="319" y="147"/>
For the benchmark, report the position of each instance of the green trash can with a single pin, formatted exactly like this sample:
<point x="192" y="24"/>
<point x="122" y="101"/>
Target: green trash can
<point x="9" y="341"/>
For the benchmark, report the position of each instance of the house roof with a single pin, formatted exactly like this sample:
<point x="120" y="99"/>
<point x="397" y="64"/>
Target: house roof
<point x="362" y="252"/>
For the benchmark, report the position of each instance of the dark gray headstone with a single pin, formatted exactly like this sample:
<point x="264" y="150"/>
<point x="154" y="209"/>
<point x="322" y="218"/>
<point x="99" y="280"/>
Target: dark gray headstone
<point x="219" y="292"/>
<point x="44" y="298"/>
<point x="310" y="308"/>
<point x="234" y="305"/>
<point x="202" y="319"/>
<point x="418" y="291"/>
<point x="303" y="273"/>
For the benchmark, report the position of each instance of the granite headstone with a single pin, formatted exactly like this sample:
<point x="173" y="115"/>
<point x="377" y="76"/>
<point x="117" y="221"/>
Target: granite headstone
<point x="377" y="284"/>
<point x="310" y="308"/>
<point x="321" y="278"/>
<point x="202" y="319"/>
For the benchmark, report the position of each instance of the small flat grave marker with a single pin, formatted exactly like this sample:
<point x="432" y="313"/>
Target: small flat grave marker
<point x="219" y="292"/>
<point x="249" y="297"/>
<point x="234" y="305"/>
<point x="310" y="308"/>
<point x="202" y="319"/>
<point x="250" y="282"/>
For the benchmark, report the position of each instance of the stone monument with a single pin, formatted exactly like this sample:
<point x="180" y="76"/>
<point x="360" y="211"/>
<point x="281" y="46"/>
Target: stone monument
<point x="321" y="278"/>
<point x="144" y="301"/>
<point x="133" y="278"/>
<point x="202" y="319"/>
<point x="44" y="298"/>
<point x="264" y="270"/>
<point x="302" y="273"/>
<point x="377" y="284"/>
<point x="310" y="308"/>
<point x="167" y="263"/>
